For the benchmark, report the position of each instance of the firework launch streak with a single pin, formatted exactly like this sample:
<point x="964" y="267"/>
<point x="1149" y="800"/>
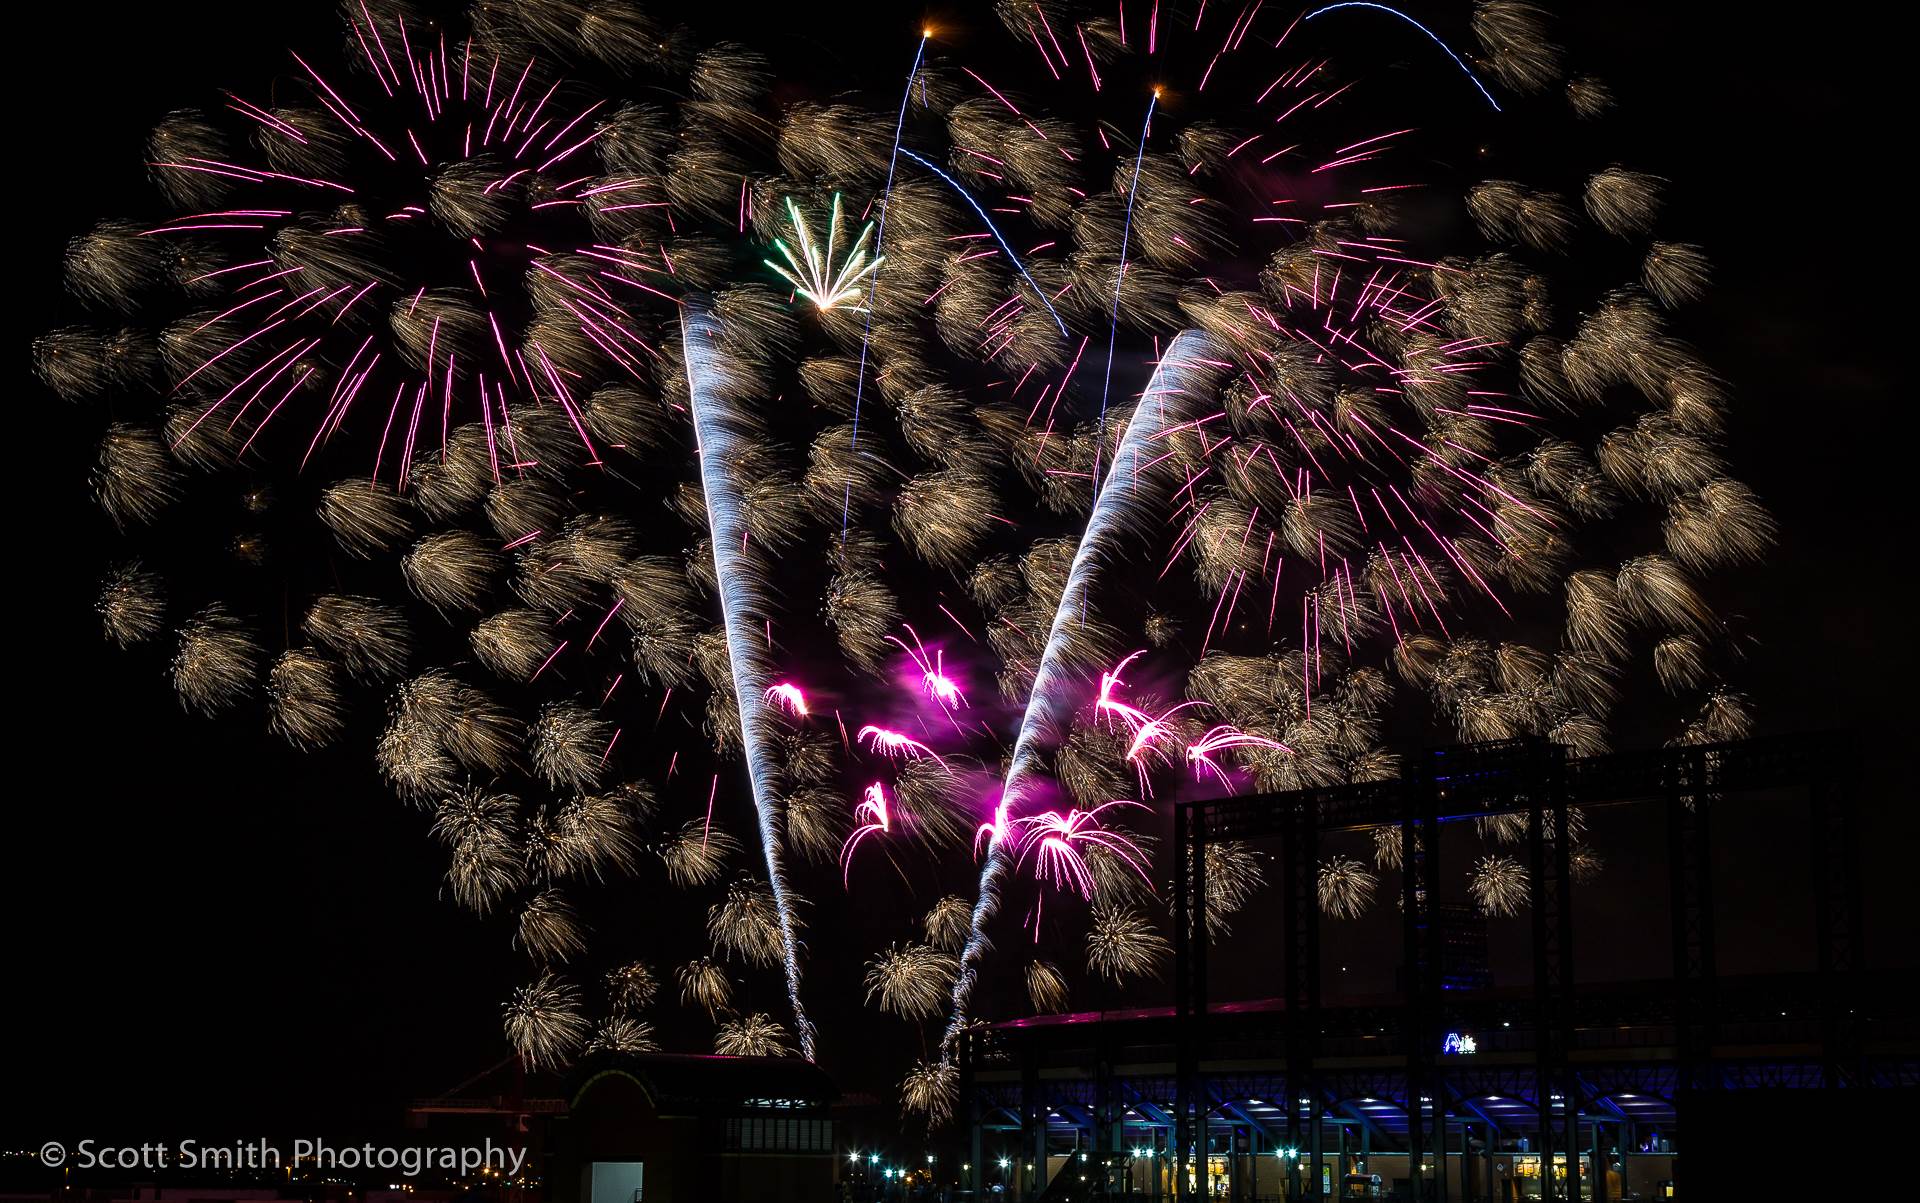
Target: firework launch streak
<point x="1125" y="504"/>
<point x="717" y="440"/>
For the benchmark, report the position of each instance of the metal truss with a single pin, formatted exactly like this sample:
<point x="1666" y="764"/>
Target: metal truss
<point x="1559" y="1053"/>
<point x="1532" y="778"/>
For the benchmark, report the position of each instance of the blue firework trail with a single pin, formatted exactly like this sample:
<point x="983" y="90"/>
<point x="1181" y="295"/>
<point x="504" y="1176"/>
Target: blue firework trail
<point x="1125" y="502"/>
<point x="1120" y="279"/>
<point x="716" y="429"/>
<point x="1434" y="37"/>
<point x="997" y="235"/>
<point x="873" y="281"/>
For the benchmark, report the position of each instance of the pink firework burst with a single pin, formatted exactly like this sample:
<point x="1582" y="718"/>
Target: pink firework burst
<point x="896" y="744"/>
<point x="934" y="680"/>
<point x="1111" y="708"/>
<point x="875" y="815"/>
<point x="991" y="832"/>
<point x="1055" y="839"/>
<point x="1223" y="738"/>
<point x="1150" y="734"/>
<point x="1145" y="731"/>
<point x="788" y="697"/>
<point x="314" y="323"/>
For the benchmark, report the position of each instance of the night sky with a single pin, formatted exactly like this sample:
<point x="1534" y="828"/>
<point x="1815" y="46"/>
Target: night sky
<point x="210" y="927"/>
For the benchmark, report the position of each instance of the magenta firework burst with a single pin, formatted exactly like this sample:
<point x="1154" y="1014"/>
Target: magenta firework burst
<point x="464" y="159"/>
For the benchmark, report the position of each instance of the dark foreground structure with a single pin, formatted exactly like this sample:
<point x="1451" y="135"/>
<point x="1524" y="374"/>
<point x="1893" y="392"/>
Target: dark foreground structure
<point x="661" y="1127"/>
<point x="1452" y="1089"/>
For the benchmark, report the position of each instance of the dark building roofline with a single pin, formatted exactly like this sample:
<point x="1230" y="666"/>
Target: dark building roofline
<point x="697" y="1079"/>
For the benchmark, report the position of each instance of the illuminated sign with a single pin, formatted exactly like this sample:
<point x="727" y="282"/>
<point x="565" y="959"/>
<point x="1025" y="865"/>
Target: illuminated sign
<point x="1458" y="1044"/>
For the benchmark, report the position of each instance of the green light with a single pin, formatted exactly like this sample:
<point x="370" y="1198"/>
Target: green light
<point x="813" y="272"/>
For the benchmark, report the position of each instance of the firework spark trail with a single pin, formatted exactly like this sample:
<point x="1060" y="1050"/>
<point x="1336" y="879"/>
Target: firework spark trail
<point x="873" y="281"/>
<point x="718" y="445"/>
<point x="1119" y="282"/>
<point x="1121" y="503"/>
<point x="1451" y="53"/>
